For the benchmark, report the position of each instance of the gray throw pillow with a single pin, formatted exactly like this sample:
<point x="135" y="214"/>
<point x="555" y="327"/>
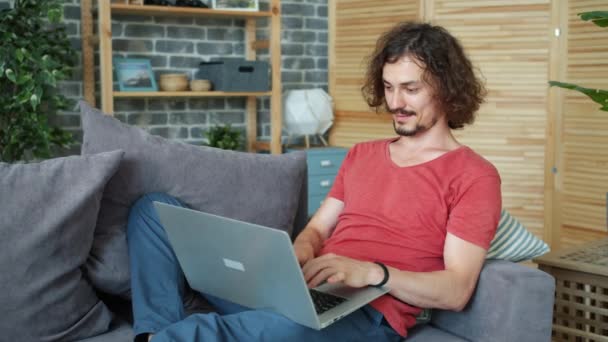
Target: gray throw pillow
<point x="47" y="219"/>
<point x="257" y="188"/>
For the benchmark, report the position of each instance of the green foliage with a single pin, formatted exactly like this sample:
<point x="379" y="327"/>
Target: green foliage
<point x="35" y="54"/>
<point x="598" y="95"/>
<point x="224" y="137"/>
<point x="599" y="18"/>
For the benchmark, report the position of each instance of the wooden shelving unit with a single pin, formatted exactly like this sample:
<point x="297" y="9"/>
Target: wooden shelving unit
<point x="105" y="9"/>
<point x="184" y="11"/>
<point x="189" y="94"/>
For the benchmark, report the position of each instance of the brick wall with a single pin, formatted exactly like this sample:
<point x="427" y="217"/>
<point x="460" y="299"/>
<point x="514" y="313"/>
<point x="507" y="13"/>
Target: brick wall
<point x="179" y="44"/>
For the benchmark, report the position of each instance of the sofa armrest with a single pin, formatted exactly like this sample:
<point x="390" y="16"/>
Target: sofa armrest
<point x="512" y="302"/>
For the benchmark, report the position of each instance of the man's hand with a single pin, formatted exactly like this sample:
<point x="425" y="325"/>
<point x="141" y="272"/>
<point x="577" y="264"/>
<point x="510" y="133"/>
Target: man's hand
<point x="305" y="251"/>
<point x="334" y="268"/>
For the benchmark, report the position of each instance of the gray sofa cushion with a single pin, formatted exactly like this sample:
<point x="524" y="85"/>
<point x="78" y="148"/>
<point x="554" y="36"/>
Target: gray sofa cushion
<point x="262" y="189"/>
<point x="428" y="333"/>
<point x="512" y="302"/>
<point x="46" y="231"/>
<point x="120" y="331"/>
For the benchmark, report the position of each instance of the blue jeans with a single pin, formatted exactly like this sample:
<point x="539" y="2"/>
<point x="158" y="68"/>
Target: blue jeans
<point x="158" y="287"/>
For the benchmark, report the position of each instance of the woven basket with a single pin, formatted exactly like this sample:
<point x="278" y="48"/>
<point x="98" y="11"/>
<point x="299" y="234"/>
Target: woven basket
<point x="173" y="82"/>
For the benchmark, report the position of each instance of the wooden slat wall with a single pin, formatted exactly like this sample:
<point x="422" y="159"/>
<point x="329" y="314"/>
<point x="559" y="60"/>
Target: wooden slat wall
<point x="522" y="130"/>
<point x="355" y="25"/>
<point x="583" y="179"/>
<point x="509" y="42"/>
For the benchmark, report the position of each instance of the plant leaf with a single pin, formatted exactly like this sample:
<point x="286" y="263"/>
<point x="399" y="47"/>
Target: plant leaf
<point x="598" y="95"/>
<point x="19" y="55"/>
<point x="54" y="15"/>
<point x="599" y="18"/>
<point x="38" y="92"/>
<point x="23" y="78"/>
<point x="35" y="101"/>
<point x="10" y="74"/>
<point x="45" y="60"/>
<point x="49" y="79"/>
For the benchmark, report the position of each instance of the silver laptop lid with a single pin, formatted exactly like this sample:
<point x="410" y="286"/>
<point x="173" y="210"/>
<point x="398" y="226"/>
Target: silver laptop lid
<point x="244" y="263"/>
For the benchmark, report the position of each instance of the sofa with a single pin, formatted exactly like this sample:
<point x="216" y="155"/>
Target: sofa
<point x="512" y="302"/>
<point x="64" y="264"/>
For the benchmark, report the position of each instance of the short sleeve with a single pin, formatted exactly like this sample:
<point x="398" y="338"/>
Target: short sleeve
<point x="475" y="213"/>
<point x="337" y="190"/>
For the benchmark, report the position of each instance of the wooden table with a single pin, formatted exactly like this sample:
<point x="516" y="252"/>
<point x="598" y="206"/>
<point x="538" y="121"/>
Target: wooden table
<point x="581" y="291"/>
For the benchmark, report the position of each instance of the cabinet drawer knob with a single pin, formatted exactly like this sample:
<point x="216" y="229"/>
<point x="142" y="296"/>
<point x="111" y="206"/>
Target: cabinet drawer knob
<point x="326" y="163"/>
<point x="325" y="183"/>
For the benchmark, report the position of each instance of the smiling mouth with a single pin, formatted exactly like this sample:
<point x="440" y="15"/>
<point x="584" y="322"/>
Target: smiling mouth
<point x="403" y="116"/>
<point x="402" y="112"/>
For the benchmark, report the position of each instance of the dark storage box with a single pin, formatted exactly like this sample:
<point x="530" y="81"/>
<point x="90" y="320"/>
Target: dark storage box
<point x="236" y="75"/>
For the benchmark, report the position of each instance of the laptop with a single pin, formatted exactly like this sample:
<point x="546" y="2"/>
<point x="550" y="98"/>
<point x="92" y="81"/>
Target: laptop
<point x="254" y="266"/>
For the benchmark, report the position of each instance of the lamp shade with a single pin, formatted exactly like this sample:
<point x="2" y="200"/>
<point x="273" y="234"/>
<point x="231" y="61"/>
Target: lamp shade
<point x="307" y="111"/>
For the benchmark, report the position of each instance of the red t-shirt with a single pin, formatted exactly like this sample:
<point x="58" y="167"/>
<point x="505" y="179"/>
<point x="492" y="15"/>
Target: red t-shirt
<point x="400" y="215"/>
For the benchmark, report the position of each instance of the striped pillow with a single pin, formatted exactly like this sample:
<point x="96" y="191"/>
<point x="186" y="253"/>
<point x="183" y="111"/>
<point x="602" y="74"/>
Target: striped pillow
<point x="513" y="242"/>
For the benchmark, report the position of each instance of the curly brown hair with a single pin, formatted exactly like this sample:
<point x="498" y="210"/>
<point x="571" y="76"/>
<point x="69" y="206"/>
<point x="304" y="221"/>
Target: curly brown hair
<point x="446" y="68"/>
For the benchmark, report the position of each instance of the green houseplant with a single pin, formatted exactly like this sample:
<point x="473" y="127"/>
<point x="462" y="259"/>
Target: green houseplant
<point x="224" y="137"/>
<point x="35" y="54"/>
<point x="600" y="18"/>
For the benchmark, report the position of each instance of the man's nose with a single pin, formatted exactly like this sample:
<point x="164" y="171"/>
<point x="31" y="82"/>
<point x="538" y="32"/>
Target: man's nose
<point x="396" y="102"/>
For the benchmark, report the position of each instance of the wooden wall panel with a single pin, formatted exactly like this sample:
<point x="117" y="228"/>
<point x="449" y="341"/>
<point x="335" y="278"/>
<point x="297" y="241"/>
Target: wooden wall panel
<point x="583" y="180"/>
<point x="355" y="25"/>
<point x="522" y="130"/>
<point x="508" y="42"/>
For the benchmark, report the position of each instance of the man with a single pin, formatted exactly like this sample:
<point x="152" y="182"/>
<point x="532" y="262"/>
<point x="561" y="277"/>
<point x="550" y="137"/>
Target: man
<point x="416" y="212"/>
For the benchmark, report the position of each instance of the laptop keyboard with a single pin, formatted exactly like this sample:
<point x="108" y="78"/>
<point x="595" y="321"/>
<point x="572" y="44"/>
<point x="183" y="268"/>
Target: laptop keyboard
<point x="324" y="301"/>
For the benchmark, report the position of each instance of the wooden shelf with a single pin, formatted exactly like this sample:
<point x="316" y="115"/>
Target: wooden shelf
<point x="185" y="11"/>
<point x="188" y="94"/>
<point x="105" y="9"/>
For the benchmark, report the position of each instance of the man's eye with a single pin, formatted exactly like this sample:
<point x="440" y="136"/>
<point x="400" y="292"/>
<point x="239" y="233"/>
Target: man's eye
<point x="412" y="90"/>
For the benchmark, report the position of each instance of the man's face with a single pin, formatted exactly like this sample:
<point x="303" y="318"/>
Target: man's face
<point x="408" y="97"/>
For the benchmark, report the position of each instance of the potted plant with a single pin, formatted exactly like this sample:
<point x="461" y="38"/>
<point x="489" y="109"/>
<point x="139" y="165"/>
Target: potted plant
<point x="35" y="54"/>
<point x="224" y="137"/>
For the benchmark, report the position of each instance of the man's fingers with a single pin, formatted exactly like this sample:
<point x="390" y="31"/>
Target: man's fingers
<point x="315" y="270"/>
<point x="321" y="277"/>
<point x="309" y="269"/>
<point x="336" y="278"/>
<point x="313" y="267"/>
<point x="302" y="259"/>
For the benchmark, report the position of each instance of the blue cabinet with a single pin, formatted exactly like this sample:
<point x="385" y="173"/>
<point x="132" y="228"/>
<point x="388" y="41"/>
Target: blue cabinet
<point x="323" y="166"/>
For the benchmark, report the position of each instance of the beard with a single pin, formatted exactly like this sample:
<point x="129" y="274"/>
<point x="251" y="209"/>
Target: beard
<point x="405" y="132"/>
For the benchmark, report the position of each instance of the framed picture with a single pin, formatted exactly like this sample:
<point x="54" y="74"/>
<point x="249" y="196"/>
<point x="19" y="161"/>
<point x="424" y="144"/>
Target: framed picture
<point x="239" y="5"/>
<point x="134" y="74"/>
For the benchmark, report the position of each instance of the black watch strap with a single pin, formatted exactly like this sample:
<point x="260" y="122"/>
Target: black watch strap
<point x="386" y="274"/>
